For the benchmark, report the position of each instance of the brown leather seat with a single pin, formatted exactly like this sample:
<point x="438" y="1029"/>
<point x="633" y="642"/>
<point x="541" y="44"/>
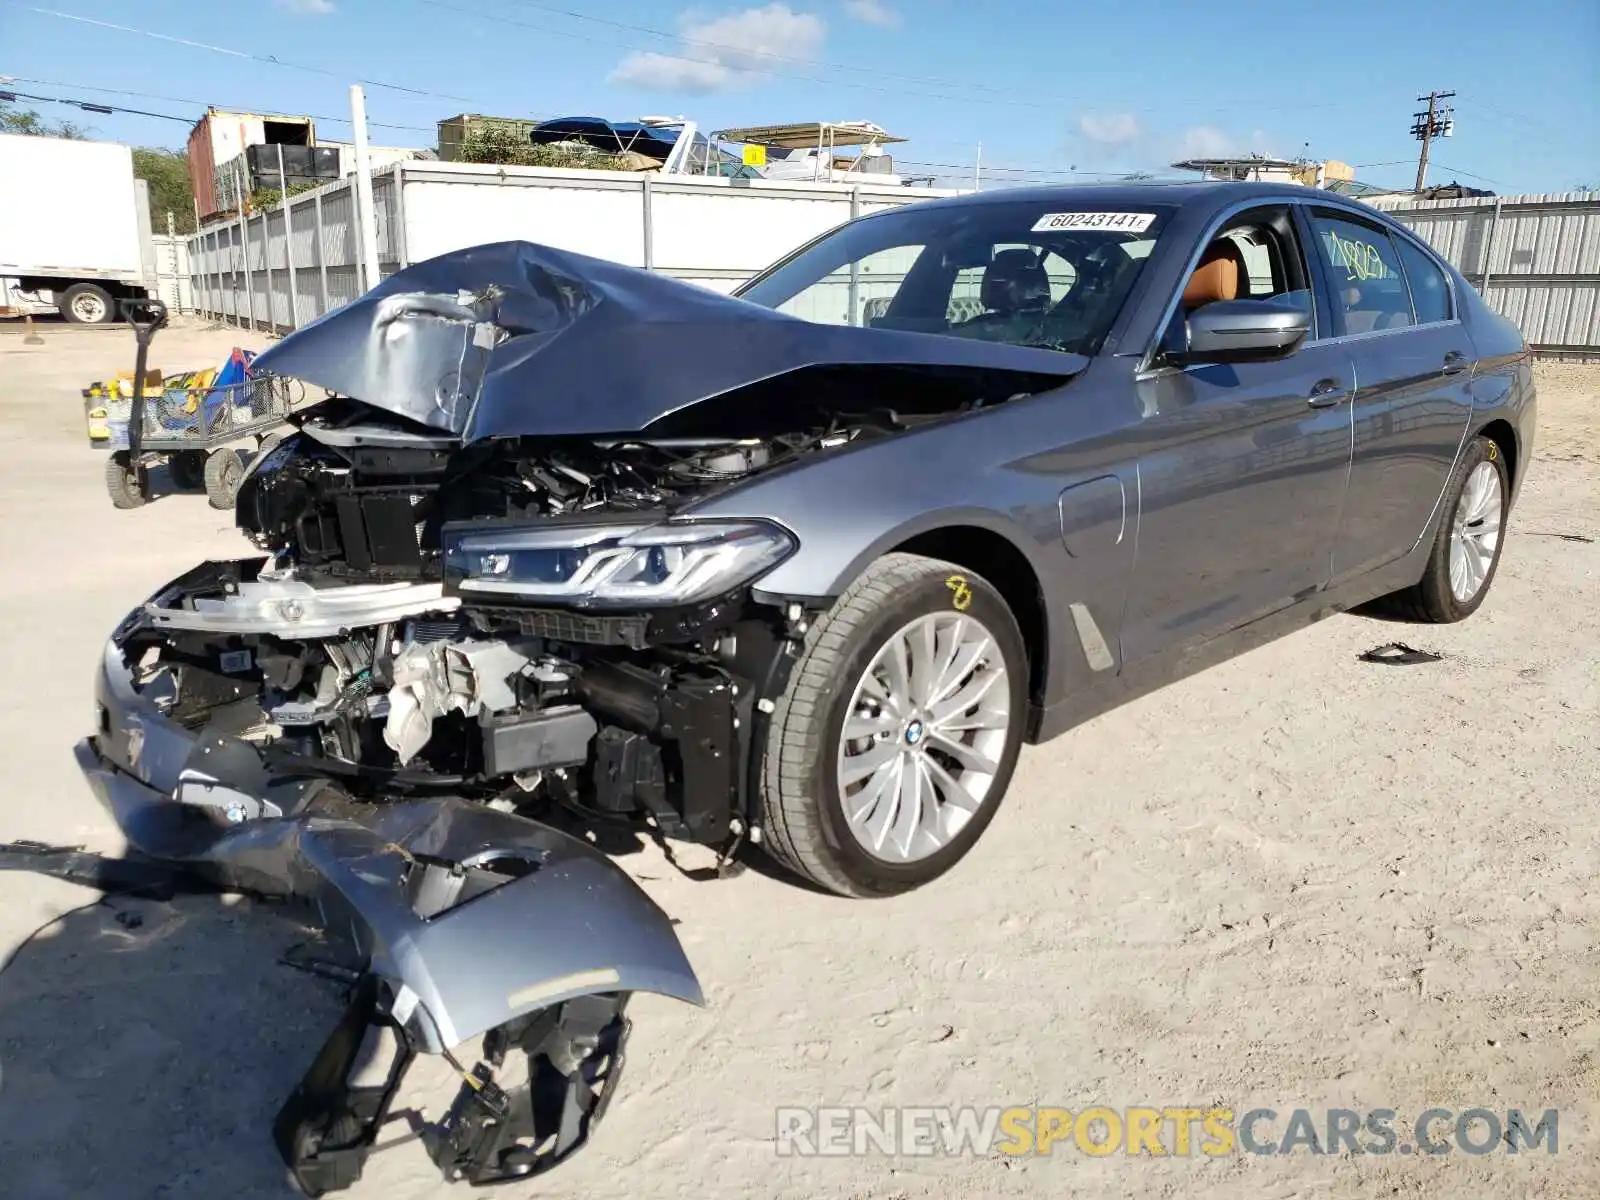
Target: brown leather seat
<point x="1218" y="276"/>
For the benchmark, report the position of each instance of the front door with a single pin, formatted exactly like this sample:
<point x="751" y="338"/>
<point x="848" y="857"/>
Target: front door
<point x="1392" y="306"/>
<point x="1241" y="485"/>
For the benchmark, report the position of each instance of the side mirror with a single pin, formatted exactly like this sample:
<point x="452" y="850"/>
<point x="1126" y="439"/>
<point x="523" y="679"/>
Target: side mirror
<point x="1228" y="331"/>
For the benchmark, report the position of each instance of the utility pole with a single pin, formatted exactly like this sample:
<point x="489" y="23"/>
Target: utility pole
<point x="1437" y="121"/>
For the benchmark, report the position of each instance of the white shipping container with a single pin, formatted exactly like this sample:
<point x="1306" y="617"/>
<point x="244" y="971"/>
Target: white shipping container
<point x="68" y="209"/>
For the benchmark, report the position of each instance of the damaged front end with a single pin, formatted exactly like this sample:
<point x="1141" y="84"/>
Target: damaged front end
<point x="454" y="922"/>
<point x="471" y="621"/>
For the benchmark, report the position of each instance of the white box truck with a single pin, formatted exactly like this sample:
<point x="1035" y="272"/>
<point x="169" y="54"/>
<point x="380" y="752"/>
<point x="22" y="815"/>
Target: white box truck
<point x="74" y="227"/>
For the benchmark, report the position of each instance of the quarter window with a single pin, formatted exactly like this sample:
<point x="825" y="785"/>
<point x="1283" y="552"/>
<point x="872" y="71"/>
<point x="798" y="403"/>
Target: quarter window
<point x="1369" y="291"/>
<point x="1430" y="292"/>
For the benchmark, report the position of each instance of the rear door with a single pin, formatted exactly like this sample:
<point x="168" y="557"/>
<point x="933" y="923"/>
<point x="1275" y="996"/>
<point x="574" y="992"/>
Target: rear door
<point x="1392" y="308"/>
<point x="1243" y="472"/>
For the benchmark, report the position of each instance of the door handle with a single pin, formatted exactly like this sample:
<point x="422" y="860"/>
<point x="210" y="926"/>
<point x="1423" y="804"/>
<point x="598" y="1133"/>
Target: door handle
<point x="1454" y="363"/>
<point x="1327" y="393"/>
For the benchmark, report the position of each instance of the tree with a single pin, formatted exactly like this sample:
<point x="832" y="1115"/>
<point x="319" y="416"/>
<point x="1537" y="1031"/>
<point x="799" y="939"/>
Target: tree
<point x="167" y="173"/>
<point x="26" y="121"/>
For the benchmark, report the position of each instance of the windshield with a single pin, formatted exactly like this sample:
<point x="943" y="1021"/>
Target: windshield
<point x="1031" y="273"/>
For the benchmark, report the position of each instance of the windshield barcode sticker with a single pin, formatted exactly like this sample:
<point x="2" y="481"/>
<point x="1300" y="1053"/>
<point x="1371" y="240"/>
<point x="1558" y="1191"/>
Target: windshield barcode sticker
<point x="1119" y="222"/>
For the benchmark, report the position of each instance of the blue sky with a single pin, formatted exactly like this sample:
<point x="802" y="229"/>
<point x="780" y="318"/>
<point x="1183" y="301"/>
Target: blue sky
<point x="1048" y="89"/>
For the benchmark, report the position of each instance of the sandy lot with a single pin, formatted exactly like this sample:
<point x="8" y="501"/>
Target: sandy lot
<point x="1297" y="881"/>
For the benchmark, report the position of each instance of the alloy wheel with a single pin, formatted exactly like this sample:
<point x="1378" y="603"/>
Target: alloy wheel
<point x="1475" y="532"/>
<point x="923" y="737"/>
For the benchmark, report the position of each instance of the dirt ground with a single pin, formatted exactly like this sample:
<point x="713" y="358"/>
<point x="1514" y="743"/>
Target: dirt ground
<point x="1296" y="881"/>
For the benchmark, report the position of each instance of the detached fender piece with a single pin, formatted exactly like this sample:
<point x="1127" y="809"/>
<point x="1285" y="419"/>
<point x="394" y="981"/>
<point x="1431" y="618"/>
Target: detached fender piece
<point x="474" y="917"/>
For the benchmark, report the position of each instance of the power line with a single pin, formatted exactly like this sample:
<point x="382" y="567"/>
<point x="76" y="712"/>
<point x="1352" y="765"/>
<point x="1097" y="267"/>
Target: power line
<point x="90" y="106"/>
<point x="1470" y="175"/>
<point x="88" y="87"/>
<point x="271" y="60"/>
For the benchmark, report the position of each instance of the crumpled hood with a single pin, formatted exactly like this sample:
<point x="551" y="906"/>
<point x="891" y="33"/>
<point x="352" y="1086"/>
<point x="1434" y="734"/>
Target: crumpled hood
<point x="515" y="340"/>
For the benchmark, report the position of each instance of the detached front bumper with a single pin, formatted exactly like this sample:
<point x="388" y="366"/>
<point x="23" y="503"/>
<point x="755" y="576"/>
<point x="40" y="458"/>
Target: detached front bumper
<point x="467" y="921"/>
<point x="474" y="916"/>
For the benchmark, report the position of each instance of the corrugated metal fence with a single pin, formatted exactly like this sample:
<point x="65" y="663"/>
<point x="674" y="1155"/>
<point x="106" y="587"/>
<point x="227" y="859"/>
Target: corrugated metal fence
<point x="171" y="267"/>
<point x="282" y="268"/>
<point x="1535" y="258"/>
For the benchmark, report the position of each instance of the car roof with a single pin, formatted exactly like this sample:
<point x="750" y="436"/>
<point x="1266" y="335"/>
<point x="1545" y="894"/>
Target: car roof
<point x="1178" y="194"/>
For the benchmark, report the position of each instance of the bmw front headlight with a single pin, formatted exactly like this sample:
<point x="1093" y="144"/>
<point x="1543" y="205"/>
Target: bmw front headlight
<point x="612" y="566"/>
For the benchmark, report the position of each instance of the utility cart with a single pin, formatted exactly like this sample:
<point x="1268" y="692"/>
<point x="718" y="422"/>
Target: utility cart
<point x="194" y="422"/>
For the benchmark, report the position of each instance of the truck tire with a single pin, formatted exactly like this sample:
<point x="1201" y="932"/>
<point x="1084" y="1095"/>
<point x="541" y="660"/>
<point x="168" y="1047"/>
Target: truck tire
<point x="224" y="470"/>
<point x="873" y="785"/>
<point x="87" y="304"/>
<point x="124" y="481"/>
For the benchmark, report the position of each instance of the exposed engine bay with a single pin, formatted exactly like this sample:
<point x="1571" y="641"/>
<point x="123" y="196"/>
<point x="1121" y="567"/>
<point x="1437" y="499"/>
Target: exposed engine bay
<point x="361" y="651"/>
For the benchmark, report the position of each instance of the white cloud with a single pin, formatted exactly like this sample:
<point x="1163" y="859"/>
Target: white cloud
<point x="873" y="12"/>
<point x="672" y="74"/>
<point x="1109" y="129"/>
<point x="310" y="8"/>
<point x="1206" y="141"/>
<point x="724" y="52"/>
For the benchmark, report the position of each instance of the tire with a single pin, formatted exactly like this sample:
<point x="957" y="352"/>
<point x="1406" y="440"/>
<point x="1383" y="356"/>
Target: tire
<point x="188" y="470"/>
<point x="224" y="469"/>
<point x="87" y="304"/>
<point x="1433" y="600"/>
<point x="123" y="481"/>
<point x="804" y="818"/>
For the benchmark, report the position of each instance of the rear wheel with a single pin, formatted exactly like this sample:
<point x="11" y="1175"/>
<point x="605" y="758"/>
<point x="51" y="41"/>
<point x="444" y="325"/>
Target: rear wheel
<point x="124" y="481"/>
<point x="1466" y="549"/>
<point x="87" y="304"/>
<point x="224" y="470"/>
<point x="897" y="737"/>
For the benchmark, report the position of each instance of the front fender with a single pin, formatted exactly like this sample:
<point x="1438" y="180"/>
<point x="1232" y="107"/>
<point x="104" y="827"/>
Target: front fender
<point x="573" y="925"/>
<point x="473" y="917"/>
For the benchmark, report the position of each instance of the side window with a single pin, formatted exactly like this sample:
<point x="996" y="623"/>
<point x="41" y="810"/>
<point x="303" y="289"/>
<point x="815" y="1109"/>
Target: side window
<point x="1369" y="291"/>
<point x="871" y="282"/>
<point x="1430" y="291"/>
<point x="1256" y="257"/>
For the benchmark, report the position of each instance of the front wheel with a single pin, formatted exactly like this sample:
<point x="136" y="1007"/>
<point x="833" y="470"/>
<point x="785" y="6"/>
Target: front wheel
<point x="890" y="751"/>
